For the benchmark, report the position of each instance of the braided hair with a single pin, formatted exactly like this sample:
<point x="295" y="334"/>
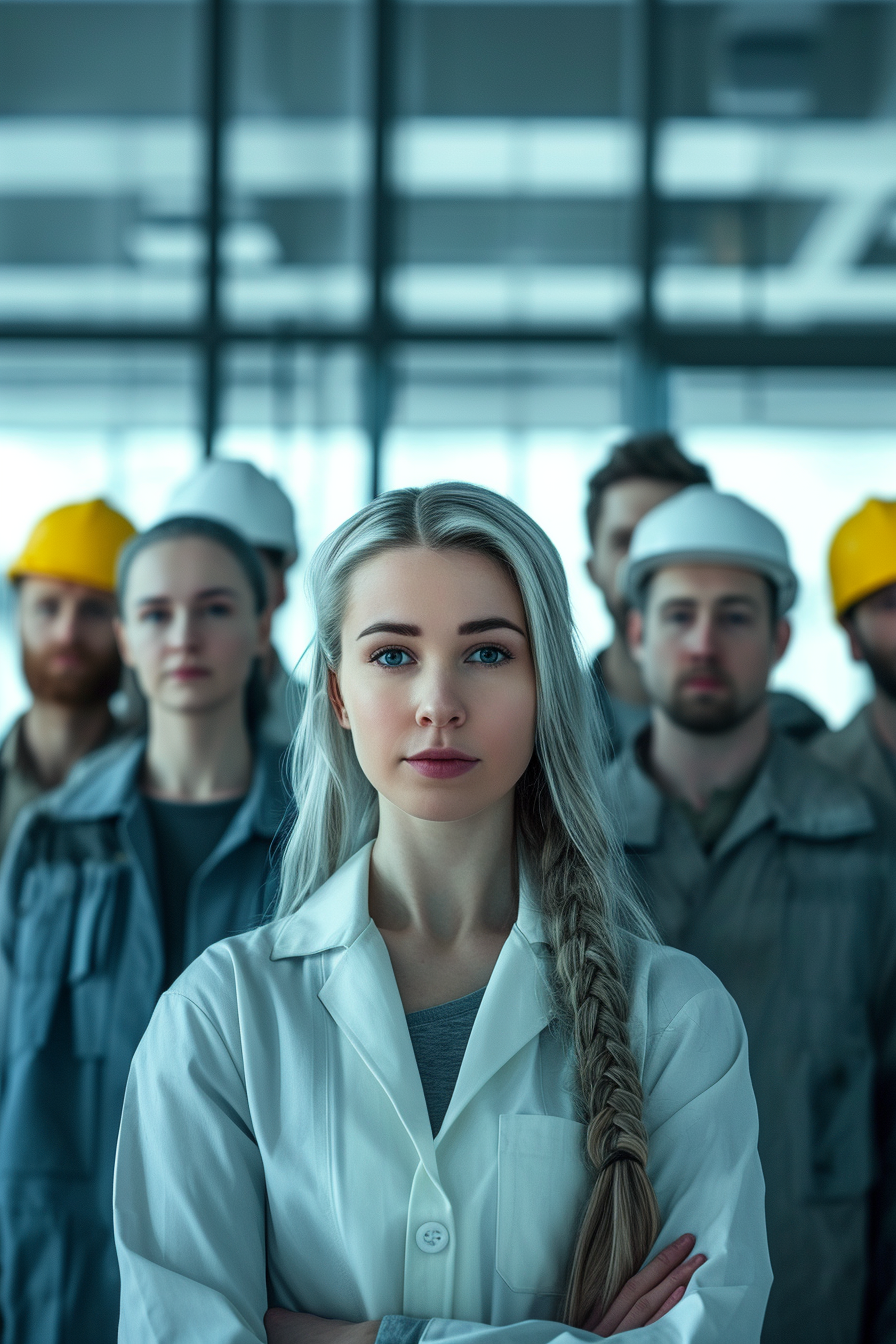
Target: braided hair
<point x="567" y="844"/>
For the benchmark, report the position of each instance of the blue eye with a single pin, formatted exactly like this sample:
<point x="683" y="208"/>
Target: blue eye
<point x="490" y="656"/>
<point x="392" y="658"/>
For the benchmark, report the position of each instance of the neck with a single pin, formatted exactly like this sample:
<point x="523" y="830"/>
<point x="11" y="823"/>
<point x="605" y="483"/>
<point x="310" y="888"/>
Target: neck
<point x="620" y="672"/>
<point x="198" y="757"/>
<point x="59" y="735"/>
<point x="693" y="766"/>
<point x="445" y="880"/>
<point x="883" y="718"/>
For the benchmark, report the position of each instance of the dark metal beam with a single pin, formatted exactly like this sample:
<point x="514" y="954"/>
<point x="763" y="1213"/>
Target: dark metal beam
<point x="378" y="337"/>
<point x="217" y="17"/>
<point x="645" y="400"/>
<point x="683" y="347"/>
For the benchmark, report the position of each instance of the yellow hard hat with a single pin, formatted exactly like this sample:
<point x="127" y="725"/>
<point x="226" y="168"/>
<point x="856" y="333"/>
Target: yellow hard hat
<point x="862" y="558"/>
<point x="78" y="543"/>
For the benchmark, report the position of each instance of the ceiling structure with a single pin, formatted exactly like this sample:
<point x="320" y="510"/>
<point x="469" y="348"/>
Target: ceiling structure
<point x="655" y="184"/>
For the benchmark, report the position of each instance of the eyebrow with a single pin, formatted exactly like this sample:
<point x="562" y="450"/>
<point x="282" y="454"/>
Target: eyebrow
<point x="468" y="628"/>
<point x="197" y="597"/>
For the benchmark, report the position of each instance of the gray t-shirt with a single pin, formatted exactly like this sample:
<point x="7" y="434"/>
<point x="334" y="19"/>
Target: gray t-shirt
<point x="185" y="834"/>
<point x="439" y="1036"/>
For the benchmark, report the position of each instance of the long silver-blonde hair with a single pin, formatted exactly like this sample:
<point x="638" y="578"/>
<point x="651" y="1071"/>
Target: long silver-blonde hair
<point x="567" y="846"/>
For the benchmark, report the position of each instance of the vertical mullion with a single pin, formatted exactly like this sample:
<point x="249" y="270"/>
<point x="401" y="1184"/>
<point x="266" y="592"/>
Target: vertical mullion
<point x="378" y="354"/>
<point x="646" y="381"/>
<point x="216" y="73"/>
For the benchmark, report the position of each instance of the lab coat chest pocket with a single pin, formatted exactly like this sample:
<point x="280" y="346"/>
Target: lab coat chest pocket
<point x="543" y="1185"/>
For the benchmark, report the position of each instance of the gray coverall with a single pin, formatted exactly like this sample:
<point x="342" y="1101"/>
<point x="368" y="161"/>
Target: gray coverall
<point x="81" y="935"/>
<point x="857" y="751"/>
<point x="795" y="911"/>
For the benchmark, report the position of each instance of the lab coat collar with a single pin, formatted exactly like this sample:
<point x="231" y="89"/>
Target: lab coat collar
<point x="338" y="913"/>
<point x="515" y="1008"/>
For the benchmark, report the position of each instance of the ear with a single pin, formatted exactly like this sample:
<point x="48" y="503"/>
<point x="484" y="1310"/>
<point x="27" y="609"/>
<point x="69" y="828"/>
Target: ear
<point x="855" y="647"/>
<point x="334" y="695"/>
<point x="121" y="640"/>
<point x="782" y="638"/>
<point x="634" y="633"/>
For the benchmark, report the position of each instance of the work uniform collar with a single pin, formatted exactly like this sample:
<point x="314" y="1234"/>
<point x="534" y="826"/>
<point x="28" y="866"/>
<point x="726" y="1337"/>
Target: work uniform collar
<point x="107" y="787"/>
<point x="792" y="792"/>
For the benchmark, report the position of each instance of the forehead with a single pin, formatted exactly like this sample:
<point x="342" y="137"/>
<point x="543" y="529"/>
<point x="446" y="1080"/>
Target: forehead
<point x="35" y="587"/>
<point x="420" y="586"/>
<point x="625" y="503"/>
<point x="182" y="566"/>
<point x="707" y="583"/>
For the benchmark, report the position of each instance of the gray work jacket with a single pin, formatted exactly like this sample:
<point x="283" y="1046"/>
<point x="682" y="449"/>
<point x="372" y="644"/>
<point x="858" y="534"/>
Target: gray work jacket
<point x="795" y="912"/>
<point x="858" y="752"/>
<point x="81" y="936"/>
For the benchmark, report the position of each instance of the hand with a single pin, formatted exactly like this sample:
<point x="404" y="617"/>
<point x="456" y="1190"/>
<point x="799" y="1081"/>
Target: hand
<point x="651" y="1292"/>
<point x="299" y="1327"/>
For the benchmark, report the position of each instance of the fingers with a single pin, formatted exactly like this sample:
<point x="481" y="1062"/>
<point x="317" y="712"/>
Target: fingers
<point x="658" y="1299"/>
<point x="667" y="1305"/>
<point x="653" y="1274"/>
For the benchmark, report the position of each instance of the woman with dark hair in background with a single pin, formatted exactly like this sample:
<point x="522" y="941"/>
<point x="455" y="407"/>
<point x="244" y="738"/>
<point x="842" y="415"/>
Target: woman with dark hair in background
<point x="110" y="887"/>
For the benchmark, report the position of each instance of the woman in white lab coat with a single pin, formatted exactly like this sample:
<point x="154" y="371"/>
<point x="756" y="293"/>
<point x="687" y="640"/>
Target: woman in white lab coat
<point x="282" y="1142"/>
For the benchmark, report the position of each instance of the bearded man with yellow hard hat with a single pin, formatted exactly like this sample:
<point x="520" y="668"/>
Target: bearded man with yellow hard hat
<point x="862" y="564"/>
<point x="65" y="579"/>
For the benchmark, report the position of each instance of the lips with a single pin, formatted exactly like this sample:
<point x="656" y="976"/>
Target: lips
<point x="188" y="673"/>
<point x="442" y="763"/>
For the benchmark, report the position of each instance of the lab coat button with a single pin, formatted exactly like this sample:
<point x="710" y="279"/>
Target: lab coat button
<point x="432" y="1237"/>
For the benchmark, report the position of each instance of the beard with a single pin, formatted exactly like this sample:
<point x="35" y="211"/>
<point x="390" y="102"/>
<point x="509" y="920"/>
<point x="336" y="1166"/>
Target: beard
<point x="92" y="683"/>
<point x="707" y="714"/>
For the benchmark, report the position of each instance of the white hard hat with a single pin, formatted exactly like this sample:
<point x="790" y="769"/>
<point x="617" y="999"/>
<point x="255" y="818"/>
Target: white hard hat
<point x="242" y="497"/>
<point x="700" y="526"/>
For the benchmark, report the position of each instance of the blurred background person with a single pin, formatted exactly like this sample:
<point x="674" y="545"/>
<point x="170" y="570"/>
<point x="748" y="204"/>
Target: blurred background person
<point x="779" y="874"/>
<point x="112" y="886"/>
<point x="65" y="585"/>
<point x="640" y="473"/>
<point x="862" y="566"/>
<point x="254" y="505"/>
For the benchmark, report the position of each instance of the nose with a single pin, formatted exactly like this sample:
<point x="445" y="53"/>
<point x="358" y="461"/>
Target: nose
<point x="439" y="704"/>
<point x="701" y="642"/>
<point x="182" y="630"/>
<point x="65" y="626"/>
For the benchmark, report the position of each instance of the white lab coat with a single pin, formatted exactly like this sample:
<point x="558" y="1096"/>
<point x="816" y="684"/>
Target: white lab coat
<point x="275" y="1130"/>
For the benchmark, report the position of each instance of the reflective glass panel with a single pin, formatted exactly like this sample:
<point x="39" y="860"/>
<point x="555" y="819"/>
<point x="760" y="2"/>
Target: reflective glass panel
<point x="776" y="164"/>
<point x="101" y="161"/>
<point x="514" y="162"/>
<point x="297" y="163"/>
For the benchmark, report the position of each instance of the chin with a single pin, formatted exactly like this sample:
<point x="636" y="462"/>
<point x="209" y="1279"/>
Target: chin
<point x="444" y="808"/>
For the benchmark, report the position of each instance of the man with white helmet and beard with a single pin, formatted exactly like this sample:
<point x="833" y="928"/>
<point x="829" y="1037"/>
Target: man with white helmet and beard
<point x="237" y="494"/>
<point x="780" y="875"/>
